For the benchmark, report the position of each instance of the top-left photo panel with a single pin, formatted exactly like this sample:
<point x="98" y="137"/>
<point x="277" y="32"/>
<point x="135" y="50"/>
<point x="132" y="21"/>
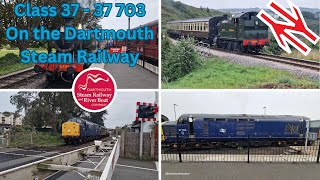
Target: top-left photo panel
<point x="46" y="44"/>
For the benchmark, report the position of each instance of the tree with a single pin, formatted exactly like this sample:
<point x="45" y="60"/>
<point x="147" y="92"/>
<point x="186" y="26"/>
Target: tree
<point x="208" y="10"/>
<point x="178" y="60"/>
<point x="8" y="19"/>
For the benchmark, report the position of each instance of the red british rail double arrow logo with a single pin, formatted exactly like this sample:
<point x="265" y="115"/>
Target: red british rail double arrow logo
<point x="284" y="31"/>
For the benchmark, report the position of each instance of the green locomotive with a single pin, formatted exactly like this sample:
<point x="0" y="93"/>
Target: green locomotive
<point x="242" y="32"/>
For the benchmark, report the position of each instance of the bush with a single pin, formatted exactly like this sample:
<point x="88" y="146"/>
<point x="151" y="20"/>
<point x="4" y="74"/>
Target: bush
<point x="273" y="48"/>
<point x="9" y="59"/>
<point x="178" y="60"/>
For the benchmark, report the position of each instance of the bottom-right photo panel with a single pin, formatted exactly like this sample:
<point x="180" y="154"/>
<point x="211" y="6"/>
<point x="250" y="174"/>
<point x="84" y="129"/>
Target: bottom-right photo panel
<point x="240" y="134"/>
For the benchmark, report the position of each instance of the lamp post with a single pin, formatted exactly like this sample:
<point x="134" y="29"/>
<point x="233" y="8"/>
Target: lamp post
<point x="175" y="114"/>
<point x="129" y="19"/>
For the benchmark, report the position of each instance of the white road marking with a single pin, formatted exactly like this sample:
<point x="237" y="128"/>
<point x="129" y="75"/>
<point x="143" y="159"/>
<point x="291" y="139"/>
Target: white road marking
<point x="157" y="165"/>
<point x="136" y="167"/>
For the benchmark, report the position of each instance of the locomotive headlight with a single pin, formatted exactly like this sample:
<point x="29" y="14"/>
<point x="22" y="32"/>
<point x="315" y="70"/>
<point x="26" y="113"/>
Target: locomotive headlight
<point x="68" y="130"/>
<point x="62" y="29"/>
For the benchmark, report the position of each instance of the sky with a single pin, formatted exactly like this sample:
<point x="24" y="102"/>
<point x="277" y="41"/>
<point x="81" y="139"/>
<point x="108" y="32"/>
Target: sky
<point x="113" y="22"/>
<point x="226" y="4"/>
<point x="277" y="102"/>
<point x="123" y="109"/>
<point x="5" y="104"/>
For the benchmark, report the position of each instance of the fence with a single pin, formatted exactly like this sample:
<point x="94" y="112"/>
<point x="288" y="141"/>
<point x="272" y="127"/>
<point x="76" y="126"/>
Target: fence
<point x="130" y="145"/>
<point x="244" y="150"/>
<point x="4" y="142"/>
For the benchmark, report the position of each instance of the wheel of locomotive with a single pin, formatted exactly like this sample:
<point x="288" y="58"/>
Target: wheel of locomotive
<point x="229" y="46"/>
<point x="241" y="49"/>
<point x="50" y="77"/>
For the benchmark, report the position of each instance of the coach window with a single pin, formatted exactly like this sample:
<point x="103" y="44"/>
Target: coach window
<point x="220" y="119"/>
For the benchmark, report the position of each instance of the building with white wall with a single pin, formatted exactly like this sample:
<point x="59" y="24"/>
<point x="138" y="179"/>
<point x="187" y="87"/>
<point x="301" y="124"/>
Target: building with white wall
<point x="9" y="118"/>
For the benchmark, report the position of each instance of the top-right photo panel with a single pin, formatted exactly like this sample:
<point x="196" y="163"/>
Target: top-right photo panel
<point x="240" y="44"/>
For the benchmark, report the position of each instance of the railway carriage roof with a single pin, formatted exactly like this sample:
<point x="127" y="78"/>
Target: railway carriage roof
<point x="247" y="116"/>
<point x="83" y="120"/>
<point x="206" y="19"/>
<point x="152" y="23"/>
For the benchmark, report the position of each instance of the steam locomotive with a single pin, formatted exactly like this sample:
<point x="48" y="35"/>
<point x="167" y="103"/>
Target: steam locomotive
<point x="67" y="72"/>
<point x="243" y="32"/>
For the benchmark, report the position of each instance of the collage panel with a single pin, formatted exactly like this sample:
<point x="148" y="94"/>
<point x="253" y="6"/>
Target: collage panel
<point x="45" y="135"/>
<point x="122" y="40"/>
<point x="227" y="44"/>
<point x="236" y="134"/>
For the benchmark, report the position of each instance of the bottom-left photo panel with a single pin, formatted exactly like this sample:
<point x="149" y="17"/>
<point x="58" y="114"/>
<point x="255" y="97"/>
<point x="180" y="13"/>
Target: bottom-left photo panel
<point x="46" y="135"/>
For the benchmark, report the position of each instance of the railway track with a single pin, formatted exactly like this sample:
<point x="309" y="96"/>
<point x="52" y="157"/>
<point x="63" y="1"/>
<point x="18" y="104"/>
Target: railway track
<point x="12" y="79"/>
<point x="308" y="64"/>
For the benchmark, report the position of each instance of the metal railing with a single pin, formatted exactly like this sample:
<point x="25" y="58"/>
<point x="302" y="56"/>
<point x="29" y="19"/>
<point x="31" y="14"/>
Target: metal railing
<point x="204" y="49"/>
<point x="242" y="150"/>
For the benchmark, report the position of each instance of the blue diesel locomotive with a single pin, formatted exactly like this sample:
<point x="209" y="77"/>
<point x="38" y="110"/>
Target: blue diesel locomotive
<point x="78" y="130"/>
<point x="216" y="130"/>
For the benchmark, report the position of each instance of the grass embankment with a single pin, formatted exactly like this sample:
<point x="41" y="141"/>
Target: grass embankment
<point x="12" y="63"/>
<point x="22" y="138"/>
<point x="216" y="73"/>
<point x="313" y="55"/>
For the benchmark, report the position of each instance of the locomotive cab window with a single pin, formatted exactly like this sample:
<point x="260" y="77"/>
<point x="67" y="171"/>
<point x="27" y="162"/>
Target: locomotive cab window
<point x="292" y="129"/>
<point x="232" y="120"/>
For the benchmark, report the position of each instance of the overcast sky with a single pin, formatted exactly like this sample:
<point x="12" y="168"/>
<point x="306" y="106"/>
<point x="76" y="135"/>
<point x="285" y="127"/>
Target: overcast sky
<point x="123" y="110"/>
<point x="5" y="104"/>
<point x="113" y="22"/>
<point x="286" y="102"/>
<point x="226" y="4"/>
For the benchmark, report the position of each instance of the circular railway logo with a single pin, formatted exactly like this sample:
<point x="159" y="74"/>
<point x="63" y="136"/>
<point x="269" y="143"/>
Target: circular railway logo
<point x="94" y="90"/>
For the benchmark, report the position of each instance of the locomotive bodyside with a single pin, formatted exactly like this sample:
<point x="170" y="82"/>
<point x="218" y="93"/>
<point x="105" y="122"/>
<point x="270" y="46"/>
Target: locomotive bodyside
<point x="148" y="49"/>
<point x="197" y="130"/>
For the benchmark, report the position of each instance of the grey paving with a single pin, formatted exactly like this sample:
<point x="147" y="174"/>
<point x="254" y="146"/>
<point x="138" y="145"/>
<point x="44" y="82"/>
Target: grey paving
<point x="240" y="171"/>
<point x="135" y="170"/>
<point x="132" y="78"/>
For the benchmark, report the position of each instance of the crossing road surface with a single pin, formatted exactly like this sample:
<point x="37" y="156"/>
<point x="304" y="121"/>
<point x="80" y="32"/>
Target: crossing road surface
<point x="135" y="170"/>
<point x="132" y="78"/>
<point x="240" y="171"/>
<point x="125" y="169"/>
